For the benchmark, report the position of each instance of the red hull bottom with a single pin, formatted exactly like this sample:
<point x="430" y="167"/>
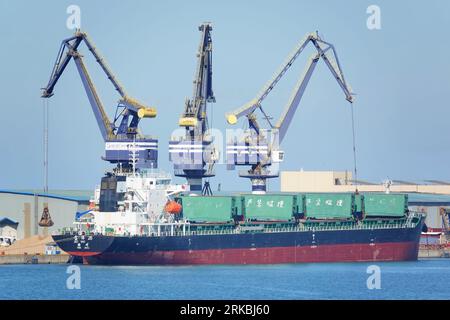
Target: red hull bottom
<point x="403" y="251"/>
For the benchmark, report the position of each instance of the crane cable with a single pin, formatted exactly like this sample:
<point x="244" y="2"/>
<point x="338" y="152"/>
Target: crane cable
<point x="354" y="148"/>
<point x="45" y="104"/>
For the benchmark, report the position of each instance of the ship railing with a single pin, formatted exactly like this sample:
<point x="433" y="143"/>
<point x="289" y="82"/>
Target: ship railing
<point x="412" y="215"/>
<point x="351" y="227"/>
<point x="301" y="227"/>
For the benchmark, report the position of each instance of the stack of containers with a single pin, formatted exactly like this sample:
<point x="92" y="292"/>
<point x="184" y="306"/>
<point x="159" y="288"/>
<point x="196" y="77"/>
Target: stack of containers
<point x="286" y="207"/>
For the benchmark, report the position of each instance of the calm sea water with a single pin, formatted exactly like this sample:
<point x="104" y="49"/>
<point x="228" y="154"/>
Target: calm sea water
<point x="424" y="279"/>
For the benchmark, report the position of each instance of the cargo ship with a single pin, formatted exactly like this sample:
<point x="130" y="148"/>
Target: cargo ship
<point x="142" y="218"/>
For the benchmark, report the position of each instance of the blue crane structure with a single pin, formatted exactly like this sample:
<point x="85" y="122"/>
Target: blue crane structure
<point x="122" y="134"/>
<point x="259" y="147"/>
<point x="192" y="153"/>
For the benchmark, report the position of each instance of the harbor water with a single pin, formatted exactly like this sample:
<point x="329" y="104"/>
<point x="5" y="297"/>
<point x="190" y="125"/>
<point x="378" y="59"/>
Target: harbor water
<point x="423" y="279"/>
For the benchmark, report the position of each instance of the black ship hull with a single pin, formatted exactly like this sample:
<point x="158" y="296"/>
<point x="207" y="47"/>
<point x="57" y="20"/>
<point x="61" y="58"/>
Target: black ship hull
<point x="383" y="244"/>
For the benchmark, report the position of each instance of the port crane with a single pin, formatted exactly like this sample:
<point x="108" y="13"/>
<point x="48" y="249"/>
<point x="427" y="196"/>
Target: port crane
<point x="122" y="133"/>
<point x="193" y="154"/>
<point x="259" y="147"/>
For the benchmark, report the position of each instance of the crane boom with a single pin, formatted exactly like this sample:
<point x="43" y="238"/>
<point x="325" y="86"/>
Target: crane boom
<point x="285" y="120"/>
<point x="106" y="127"/>
<point x="252" y="105"/>
<point x="255" y="103"/>
<point x="194" y="113"/>
<point x="254" y="148"/>
<point x="203" y="82"/>
<point x="192" y="154"/>
<point x="334" y="66"/>
<point x="61" y="63"/>
<point x="117" y="137"/>
<point x="101" y="61"/>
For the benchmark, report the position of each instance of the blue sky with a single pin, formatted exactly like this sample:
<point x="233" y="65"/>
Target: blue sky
<point x="401" y="75"/>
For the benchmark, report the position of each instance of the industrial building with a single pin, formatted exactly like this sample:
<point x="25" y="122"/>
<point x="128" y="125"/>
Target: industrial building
<point x="427" y="198"/>
<point x="26" y="207"/>
<point x="342" y="181"/>
<point x="437" y="208"/>
<point x="8" y="230"/>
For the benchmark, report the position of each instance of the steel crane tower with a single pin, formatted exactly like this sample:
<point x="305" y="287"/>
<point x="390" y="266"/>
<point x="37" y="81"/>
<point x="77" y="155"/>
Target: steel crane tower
<point x="193" y="154"/>
<point x="121" y="134"/>
<point x="259" y="147"/>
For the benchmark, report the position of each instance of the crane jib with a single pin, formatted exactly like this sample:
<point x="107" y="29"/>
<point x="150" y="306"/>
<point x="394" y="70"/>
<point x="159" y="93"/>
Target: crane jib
<point x="333" y="65"/>
<point x="193" y="155"/>
<point x="121" y="130"/>
<point x="262" y="159"/>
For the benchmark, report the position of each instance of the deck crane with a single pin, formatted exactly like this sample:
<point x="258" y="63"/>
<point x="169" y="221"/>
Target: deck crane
<point x="259" y="147"/>
<point x="122" y="134"/>
<point x="193" y="154"/>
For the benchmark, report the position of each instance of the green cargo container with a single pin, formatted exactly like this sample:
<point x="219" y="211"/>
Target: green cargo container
<point x="330" y="205"/>
<point x="208" y="209"/>
<point x="268" y="206"/>
<point x="385" y="205"/>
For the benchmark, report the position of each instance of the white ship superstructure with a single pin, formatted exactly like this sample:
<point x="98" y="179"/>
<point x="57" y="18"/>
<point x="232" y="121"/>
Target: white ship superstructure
<point x="141" y="199"/>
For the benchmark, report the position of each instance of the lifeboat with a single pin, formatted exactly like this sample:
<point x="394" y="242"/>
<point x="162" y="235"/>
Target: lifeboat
<point x="172" y="207"/>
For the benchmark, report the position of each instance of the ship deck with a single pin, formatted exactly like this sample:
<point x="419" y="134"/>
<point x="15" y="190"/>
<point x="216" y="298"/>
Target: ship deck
<point x="186" y="228"/>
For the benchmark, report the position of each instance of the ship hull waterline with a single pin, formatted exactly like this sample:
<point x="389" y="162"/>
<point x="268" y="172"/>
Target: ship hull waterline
<point x="401" y="244"/>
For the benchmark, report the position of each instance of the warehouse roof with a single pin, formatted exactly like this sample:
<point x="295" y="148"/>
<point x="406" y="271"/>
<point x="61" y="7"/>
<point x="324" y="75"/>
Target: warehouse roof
<point x="6" y="220"/>
<point x="425" y="199"/>
<point x="414" y="199"/>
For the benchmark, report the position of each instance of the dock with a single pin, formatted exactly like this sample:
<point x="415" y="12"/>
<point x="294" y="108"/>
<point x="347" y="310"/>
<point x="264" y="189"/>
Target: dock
<point x="32" y="250"/>
<point x="434" y="251"/>
<point x="34" y="259"/>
